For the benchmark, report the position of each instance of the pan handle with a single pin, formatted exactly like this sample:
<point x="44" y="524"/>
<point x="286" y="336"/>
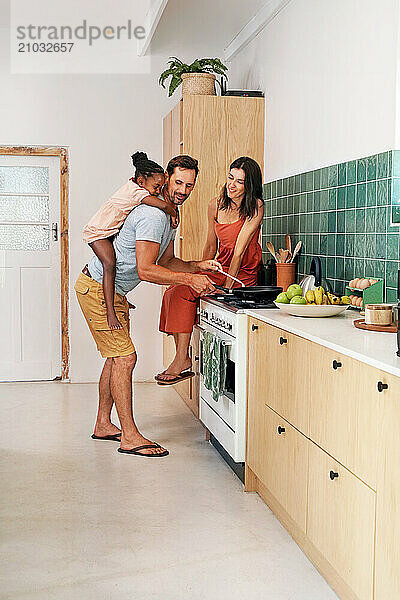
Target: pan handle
<point x="223" y="289"/>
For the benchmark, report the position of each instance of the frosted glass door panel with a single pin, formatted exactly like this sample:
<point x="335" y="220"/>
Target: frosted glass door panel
<point x="26" y="209"/>
<point x="24" y="180"/>
<point x="24" y="237"/>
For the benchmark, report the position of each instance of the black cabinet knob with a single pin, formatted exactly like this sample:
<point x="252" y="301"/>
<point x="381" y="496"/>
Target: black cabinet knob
<point x="282" y="341"/>
<point x="281" y="430"/>
<point x="336" y="365"/>
<point x="254" y="327"/>
<point x="196" y="358"/>
<point x="333" y="475"/>
<point x="382" y="386"/>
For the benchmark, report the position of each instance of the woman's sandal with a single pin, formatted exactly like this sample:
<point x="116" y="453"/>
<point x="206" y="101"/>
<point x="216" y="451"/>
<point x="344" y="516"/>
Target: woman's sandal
<point x="178" y="378"/>
<point x="136" y="451"/>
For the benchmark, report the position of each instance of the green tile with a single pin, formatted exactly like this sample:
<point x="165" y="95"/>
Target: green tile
<point x="391" y="295"/>
<point x="349" y="244"/>
<point x="279" y="188"/>
<point x="342" y="169"/>
<point x="370" y="245"/>
<point x="351" y="171"/>
<point x="267" y="208"/>
<point x="290" y="205"/>
<point x="310" y="202"/>
<point x="392" y="247"/>
<point x="371" y="193"/>
<point x="340" y="244"/>
<point x="317" y="200"/>
<point x="285" y="186"/>
<point x="349" y="269"/>
<point x="323" y="244"/>
<point x="324" y="177"/>
<point x="266" y="191"/>
<point x="371" y="167"/>
<point x="396" y="190"/>
<point x="303" y="182"/>
<point x="378" y="268"/>
<point x="382" y="192"/>
<point x="317" y="179"/>
<point x="324" y="199"/>
<point x="324" y="222"/>
<point x="332" y="199"/>
<point x="291" y="185"/>
<point x="350" y="221"/>
<point x="331" y="267"/>
<point x="341" y="197"/>
<point x="390" y="163"/>
<point x="359" y="245"/>
<point x="332" y="222"/>
<point x="396" y="215"/>
<point x="340" y="221"/>
<point x="359" y="267"/>
<point x="331" y="244"/>
<point x="360" y="220"/>
<point x="315" y="245"/>
<point x="361" y="169"/>
<point x="396" y="163"/>
<point x="316" y="222"/>
<point x="333" y="175"/>
<point x="309" y="223"/>
<point x="380" y="223"/>
<point x="297" y="184"/>
<point x="392" y="268"/>
<point x="382" y="165"/>
<point x="340" y="268"/>
<point x="309" y="181"/>
<point x="380" y="245"/>
<point x="351" y="196"/>
<point x="303" y="203"/>
<point x="361" y="194"/>
<point x="370" y="214"/>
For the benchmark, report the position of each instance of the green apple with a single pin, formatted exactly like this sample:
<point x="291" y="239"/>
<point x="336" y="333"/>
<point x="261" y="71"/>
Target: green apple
<point x="282" y="298"/>
<point x="294" y="290"/>
<point x="298" y="300"/>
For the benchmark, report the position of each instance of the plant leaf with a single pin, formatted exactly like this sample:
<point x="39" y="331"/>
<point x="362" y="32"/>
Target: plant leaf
<point x="174" y="84"/>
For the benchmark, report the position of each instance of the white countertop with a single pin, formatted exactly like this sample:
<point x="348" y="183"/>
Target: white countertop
<point x="338" y="333"/>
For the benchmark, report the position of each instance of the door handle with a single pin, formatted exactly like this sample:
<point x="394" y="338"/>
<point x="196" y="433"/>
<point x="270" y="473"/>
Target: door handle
<point x="54" y="232"/>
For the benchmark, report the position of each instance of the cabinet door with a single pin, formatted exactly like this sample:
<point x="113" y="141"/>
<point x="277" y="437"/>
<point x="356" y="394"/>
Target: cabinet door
<point x="387" y="585"/>
<point x="284" y="465"/>
<point x="341" y="520"/>
<point x="283" y="368"/>
<point x="344" y="411"/>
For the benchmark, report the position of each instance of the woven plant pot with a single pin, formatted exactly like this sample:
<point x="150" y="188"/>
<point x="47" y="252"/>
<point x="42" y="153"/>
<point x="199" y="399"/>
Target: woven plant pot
<point x="199" y="84"/>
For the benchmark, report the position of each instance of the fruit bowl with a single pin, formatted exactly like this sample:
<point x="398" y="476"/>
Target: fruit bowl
<point x="312" y="310"/>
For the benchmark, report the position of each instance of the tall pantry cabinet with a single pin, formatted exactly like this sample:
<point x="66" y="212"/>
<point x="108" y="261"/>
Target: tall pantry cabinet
<point x="215" y="130"/>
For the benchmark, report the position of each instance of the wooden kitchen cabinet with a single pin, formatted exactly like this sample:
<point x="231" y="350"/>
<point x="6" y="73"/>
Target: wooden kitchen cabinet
<point x="344" y="410"/>
<point x="341" y="521"/>
<point x="281" y="363"/>
<point x="387" y="567"/>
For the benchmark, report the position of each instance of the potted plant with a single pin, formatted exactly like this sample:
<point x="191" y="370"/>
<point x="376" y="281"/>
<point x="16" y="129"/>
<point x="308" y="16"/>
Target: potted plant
<point x="197" y="78"/>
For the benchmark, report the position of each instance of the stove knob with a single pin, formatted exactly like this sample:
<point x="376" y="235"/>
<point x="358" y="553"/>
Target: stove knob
<point x="230" y="327"/>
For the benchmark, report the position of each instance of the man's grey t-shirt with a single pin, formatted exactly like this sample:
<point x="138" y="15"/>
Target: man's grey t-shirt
<point x="144" y="223"/>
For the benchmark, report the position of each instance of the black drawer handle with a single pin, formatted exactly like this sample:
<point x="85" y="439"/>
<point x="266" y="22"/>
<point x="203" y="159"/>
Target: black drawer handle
<point x="336" y="365"/>
<point x="281" y="430"/>
<point x="382" y="386"/>
<point x="282" y="341"/>
<point x="333" y="475"/>
<point x="254" y="327"/>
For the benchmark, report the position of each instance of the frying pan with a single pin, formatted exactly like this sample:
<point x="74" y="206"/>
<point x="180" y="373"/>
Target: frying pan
<point x="267" y="292"/>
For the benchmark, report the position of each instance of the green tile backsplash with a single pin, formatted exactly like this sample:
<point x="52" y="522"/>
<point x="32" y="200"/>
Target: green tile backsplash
<point x="348" y="214"/>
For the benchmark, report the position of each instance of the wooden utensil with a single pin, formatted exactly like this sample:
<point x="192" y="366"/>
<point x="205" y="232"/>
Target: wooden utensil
<point x="283" y="254"/>
<point x="271" y="249"/>
<point x="296" y="250"/>
<point x="288" y="242"/>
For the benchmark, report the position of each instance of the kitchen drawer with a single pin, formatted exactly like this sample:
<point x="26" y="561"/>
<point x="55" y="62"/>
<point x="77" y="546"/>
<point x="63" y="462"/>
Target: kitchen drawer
<point x="344" y="411"/>
<point x="283" y="370"/>
<point x="341" y="521"/>
<point x="283" y="465"/>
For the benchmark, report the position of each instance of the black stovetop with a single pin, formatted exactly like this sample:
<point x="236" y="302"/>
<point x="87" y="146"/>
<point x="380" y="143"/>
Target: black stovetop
<point x="239" y="303"/>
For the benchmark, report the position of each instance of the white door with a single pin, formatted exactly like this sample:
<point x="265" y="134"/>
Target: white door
<point x="30" y="269"/>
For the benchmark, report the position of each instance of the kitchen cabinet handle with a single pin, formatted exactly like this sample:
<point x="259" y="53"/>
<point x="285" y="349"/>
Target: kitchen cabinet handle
<point x="336" y="365"/>
<point x="282" y="341"/>
<point x="254" y="327"/>
<point x="281" y="430"/>
<point x="382" y="386"/>
<point x="196" y="358"/>
<point x="333" y="475"/>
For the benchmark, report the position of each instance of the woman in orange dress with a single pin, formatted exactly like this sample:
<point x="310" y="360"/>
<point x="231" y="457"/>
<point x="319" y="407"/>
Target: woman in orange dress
<point x="234" y="223"/>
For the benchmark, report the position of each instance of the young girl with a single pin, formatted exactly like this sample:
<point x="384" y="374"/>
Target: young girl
<point x="144" y="188"/>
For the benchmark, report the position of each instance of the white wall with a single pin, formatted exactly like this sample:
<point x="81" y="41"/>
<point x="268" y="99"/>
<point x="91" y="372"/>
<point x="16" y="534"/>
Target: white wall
<point x="329" y="72"/>
<point x="102" y="119"/>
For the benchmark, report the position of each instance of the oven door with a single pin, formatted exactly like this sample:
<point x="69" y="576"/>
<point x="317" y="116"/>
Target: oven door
<point x="224" y="406"/>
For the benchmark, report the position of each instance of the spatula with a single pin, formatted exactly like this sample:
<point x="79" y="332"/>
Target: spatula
<point x="288" y="242"/>
<point x="296" y="250"/>
<point x="271" y="249"/>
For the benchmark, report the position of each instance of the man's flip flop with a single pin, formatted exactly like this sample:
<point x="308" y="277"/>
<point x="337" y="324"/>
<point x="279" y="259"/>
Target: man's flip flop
<point x="181" y="377"/>
<point x="136" y="451"/>
<point x="116" y="437"/>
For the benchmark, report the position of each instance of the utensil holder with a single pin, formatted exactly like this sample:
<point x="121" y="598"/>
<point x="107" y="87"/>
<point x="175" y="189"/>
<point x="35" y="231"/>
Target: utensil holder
<point x="285" y="275"/>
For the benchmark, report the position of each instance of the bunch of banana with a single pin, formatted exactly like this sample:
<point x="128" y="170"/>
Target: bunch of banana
<point x="320" y="296"/>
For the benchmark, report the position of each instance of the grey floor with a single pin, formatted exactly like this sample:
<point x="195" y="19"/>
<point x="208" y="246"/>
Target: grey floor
<point x="80" y="521"/>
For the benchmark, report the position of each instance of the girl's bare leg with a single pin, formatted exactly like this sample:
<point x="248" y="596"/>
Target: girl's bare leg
<point x="182" y="360"/>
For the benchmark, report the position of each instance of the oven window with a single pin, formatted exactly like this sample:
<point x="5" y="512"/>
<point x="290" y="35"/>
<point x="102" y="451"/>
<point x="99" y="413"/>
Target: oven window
<point x="229" y="391"/>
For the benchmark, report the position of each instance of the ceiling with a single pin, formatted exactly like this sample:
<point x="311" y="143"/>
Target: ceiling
<point x="206" y="26"/>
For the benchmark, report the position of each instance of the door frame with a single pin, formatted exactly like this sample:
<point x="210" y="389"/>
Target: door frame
<point x="64" y="236"/>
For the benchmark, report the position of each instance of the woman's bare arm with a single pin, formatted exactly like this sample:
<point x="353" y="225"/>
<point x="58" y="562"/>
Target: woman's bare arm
<point x="242" y="243"/>
<point x="211" y="245"/>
